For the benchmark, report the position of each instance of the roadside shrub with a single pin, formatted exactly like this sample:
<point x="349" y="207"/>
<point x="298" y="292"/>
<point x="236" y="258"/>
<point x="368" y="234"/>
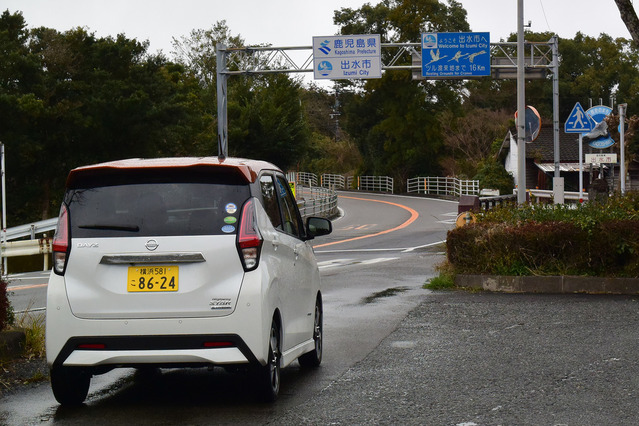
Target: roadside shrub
<point x="522" y="249"/>
<point x="616" y="248"/>
<point x="6" y="312"/>
<point x="493" y="175"/>
<point x="589" y="239"/>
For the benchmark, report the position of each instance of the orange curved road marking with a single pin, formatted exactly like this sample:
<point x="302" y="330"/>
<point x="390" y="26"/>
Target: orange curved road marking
<point x="413" y="216"/>
<point x="25" y="287"/>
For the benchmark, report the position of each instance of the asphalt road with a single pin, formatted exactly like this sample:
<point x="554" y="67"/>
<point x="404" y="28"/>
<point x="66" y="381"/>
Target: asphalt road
<point x="398" y="354"/>
<point x="375" y="253"/>
<point x="494" y="359"/>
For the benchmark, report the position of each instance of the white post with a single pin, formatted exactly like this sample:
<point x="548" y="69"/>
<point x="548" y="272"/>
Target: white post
<point x="3" y="238"/>
<point x="521" y="107"/>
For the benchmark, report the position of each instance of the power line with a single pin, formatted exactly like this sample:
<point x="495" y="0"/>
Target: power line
<point x="541" y="3"/>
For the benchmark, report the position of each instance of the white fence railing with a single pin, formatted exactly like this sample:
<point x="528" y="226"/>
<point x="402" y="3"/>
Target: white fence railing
<point x="442" y="186"/>
<point x="303" y="178"/>
<point x="333" y="181"/>
<point x="371" y="183"/>
<point x="316" y="201"/>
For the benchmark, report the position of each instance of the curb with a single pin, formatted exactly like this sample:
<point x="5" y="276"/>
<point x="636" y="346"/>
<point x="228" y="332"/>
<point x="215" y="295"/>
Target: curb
<point x="563" y="284"/>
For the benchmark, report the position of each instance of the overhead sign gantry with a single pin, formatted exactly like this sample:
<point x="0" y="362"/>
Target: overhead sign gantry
<point x="534" y="62"/>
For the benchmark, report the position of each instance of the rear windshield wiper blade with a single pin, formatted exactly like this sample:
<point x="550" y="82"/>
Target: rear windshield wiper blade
<point x="108" y="227"/>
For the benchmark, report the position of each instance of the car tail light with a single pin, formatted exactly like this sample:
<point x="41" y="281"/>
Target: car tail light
<point x="249" y="239"/>
<point x="92" y="346"/>
<point x="61" y="242"/>
<point x="218" y="344"/>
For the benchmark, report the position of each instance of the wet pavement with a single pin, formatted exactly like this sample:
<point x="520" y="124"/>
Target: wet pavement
<point x="491" y="359"/>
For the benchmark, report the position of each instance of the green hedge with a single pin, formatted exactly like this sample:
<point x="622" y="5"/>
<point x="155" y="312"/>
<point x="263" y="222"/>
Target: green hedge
<point x="590" y="239"/>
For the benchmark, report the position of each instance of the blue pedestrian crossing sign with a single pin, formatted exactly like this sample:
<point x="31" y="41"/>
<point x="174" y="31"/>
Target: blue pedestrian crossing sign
<point x="579" y="121"/>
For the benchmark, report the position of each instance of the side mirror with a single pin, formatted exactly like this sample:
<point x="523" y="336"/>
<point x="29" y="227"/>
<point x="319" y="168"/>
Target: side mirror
<point x="318" y="226"/>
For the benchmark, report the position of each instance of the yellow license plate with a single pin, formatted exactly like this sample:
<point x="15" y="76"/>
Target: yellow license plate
<point x="152" y="278"/>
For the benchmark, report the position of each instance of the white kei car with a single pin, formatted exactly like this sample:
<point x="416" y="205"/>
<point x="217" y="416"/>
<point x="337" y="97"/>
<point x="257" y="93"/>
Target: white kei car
<point x="181" y="262"/>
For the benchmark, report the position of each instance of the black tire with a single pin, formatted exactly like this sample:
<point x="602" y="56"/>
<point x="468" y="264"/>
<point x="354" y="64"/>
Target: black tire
<point x="313" y="358"/>
<point x="269" y="376"/>
<point x="70" y="386"/>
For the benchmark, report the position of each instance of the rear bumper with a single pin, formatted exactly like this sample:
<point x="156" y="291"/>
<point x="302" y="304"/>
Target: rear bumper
<point x="109" y="343"/>
<point x="121" y="351"/>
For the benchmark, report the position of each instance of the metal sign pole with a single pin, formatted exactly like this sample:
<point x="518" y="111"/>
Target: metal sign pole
<point x="581" y="167"/>
<point x="555" y="102"/>
<point x="4" y="211"/>
<point x="622" y="146"/>
<point x="222" y="99"/>
<point x="521" y="107"/>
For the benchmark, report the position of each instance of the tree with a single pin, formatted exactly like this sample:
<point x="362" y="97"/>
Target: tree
<point x="469" y="137"/>
<point x="265" y="116"/>
<point x="266" y="120"/>
<point x="629" y="17"/>
<point x="75" y="99"/>
<point x="393" y="120"/>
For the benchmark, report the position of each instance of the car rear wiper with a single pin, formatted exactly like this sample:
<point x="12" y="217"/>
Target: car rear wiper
<point x="108" y="227"/>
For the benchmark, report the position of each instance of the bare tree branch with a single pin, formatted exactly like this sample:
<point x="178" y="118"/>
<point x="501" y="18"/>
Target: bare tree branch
<point x="629" y="17"/>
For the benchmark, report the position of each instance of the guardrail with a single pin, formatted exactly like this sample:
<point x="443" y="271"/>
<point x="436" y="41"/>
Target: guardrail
<point x="442" y="186"/>
<point x="487" y="203"/>
<point x="546" y="195"/>
<point x="31" y="229"/>
<point x="316" y="201"/>
<point x="536" y="196"/>
<point x="29" y="247"/>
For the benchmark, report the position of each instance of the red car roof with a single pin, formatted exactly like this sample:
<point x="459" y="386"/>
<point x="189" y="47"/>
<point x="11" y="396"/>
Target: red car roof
<point x="248" y="168"/>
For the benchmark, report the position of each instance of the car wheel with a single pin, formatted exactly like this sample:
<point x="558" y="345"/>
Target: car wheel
<point x="70" y="386"/>
<point x="269" y="375"/>
<point x="313" y="358"/>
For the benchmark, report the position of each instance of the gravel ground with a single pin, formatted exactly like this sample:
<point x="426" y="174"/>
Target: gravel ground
<point x="22" y="373"/>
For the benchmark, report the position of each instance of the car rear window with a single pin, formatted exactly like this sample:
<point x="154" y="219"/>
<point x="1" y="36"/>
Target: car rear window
<point x="152" y="203"/>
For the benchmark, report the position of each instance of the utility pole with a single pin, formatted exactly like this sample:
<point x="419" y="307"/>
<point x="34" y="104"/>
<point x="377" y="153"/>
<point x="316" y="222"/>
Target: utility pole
<point x="335" y="114"/>
<point x="521" y="107"/>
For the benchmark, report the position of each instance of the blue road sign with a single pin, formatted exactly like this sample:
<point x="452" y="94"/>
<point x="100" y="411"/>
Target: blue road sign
<point x="578" y="121"/>
<point x="347" y="57"/>
<point x="455" y="55"/>
<point x="598" y="113"/>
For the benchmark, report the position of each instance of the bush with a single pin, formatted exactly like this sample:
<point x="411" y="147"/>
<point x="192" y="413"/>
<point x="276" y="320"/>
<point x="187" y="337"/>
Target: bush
<point x="588" y="239"/>
<point x="493" y="175"/>
<point x="6" y="312"/>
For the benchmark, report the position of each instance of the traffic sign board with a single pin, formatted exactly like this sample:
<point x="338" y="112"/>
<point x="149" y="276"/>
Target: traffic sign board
<point x="347" y="57"/>
<point x="578" y="121"/>
<point x="455" y="55"/>
<point x="607" y="158"/>
<point x="598" y="114"/>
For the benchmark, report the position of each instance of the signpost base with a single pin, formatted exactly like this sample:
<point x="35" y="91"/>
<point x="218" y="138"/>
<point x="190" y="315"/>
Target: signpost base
<point x="558" y="190"/>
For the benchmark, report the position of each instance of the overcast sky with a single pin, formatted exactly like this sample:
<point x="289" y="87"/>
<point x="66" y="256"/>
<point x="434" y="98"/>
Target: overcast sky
<point x="295" y="22"/>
